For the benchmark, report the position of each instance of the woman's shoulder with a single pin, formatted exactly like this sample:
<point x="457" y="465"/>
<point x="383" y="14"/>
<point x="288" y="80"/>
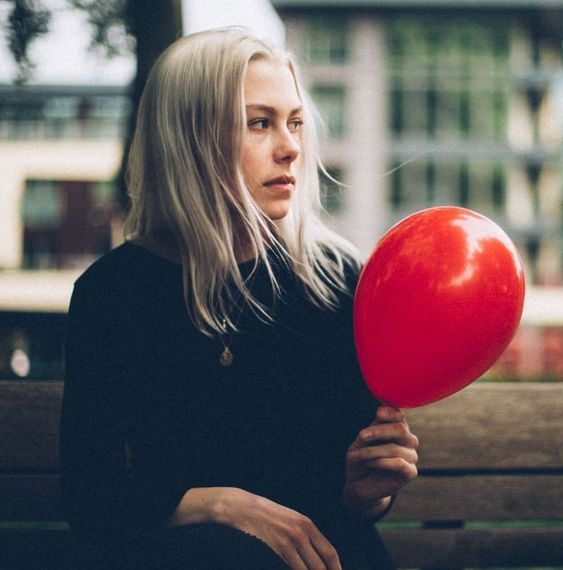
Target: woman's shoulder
<point x="128" y="262"/>
<point x="127" y="272"/>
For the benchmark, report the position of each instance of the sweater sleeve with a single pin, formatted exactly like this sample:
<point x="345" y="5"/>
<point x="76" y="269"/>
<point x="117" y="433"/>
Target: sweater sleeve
<point x="100" y="493"/>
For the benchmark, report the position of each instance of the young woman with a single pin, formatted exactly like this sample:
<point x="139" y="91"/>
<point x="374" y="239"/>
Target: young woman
<point x="214" y="415"/>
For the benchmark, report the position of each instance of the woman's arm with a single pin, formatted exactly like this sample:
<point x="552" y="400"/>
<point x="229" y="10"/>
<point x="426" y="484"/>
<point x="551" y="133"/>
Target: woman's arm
<point x="291" y="535"/>
<point x="99" y="493"/>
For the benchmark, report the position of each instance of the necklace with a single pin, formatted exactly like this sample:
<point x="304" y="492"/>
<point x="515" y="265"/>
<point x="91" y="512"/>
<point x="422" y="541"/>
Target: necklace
<point x="226" y="358"/>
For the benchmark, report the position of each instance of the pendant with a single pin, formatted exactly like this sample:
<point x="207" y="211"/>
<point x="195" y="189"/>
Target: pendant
<point x="226" y="358"/>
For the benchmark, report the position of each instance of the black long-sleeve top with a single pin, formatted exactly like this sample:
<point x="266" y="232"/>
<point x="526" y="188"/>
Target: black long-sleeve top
<point x="149" y="412"/>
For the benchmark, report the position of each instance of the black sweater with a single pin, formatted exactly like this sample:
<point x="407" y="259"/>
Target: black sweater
<point x="149" y="411"/>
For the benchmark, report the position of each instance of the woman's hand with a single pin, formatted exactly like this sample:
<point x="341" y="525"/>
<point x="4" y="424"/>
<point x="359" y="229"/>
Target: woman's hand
<point x="291" y="535"/>
<point x="380" y="461"/>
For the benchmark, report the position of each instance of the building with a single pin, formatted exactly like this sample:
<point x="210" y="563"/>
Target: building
<point x="60" y="148"/>
<point x="434" y="102"/>
<point x="430" y="103"/>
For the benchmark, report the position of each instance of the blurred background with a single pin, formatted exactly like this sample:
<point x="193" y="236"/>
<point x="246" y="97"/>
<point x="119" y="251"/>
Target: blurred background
<point x="424" y="103"/>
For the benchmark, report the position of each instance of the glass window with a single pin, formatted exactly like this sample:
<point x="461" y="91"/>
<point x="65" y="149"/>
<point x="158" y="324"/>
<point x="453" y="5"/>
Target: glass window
<point x="415" y="115"/>
<point x="410" y="186"/>
<point x="326" y="40"/>
<point x="449" y="80"/>
<point x="480" y="185"/>
<point x="332" y="190"/>
<point x="331" y="103"/>
<point x="67" y="224"/>
<point x="42" y="204"/>
<point x="449" y="86"/>
<point x="54" y="116"/>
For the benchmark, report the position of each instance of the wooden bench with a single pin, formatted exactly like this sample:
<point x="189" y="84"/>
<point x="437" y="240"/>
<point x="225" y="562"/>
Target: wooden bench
<point x="490" y="491"/>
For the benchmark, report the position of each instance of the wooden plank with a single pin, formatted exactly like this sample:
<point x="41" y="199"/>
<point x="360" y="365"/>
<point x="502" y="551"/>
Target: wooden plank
<point x="29" y="424"/>
<point x="483" y="548"/>
<point x="521" y="423"/>
<point x="36" y="497"/>
<point x="520" y="497"/>
<point x="492" y="426"/>
<point x="29" y="498"/>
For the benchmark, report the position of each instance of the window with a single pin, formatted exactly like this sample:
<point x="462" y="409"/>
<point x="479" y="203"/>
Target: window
<point x="448" y="80"/>
<point x="66" y="224"/>
<point x="449" y="88"/>
<point x="42" y="205"/>
<point x="42" y="114"/>
<point x="479" y="185"/>
<point x="326" y="40"/>
<point x="332" y="190"/>
<point x="331" y="103"/>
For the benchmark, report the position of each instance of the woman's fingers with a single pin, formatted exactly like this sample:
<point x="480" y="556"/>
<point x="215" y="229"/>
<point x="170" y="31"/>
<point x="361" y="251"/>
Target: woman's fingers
<point x="406" y="470"/>
<point x="397" y="432"/>
<point x="389" y="414"/>
<point x="325" y="550"/>
<point x="309" y="549"/>
<point x="385" y="451"/>
<point x="292" y="535"/>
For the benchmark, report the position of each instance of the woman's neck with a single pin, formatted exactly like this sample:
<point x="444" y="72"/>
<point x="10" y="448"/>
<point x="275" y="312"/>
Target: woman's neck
<point x="162" y="246"/>
<point x="166" y="246"/>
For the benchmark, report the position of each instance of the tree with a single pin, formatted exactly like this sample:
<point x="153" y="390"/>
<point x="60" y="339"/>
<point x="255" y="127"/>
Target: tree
<point x="153" y="25"/>
<point x="26" y="22"/>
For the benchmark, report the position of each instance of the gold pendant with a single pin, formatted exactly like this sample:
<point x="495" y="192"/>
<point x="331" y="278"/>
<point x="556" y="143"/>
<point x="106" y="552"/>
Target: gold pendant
<point x="226" y="358"/>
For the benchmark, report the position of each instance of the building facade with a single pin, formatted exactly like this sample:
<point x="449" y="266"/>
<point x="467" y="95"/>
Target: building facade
<point x="429" y="103"/>
<point x="60" y="150"/>
<point x="432" y="103"/>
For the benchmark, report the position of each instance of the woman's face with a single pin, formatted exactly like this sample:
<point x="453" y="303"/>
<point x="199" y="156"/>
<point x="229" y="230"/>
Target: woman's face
<point x="271" y="143"/>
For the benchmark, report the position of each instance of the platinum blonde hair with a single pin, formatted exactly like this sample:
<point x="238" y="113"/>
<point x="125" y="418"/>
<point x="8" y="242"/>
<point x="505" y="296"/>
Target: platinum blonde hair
<point x="185" y="180"/>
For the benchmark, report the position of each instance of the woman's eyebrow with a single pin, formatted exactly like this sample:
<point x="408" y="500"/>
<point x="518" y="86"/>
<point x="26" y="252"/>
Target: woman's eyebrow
<point x="270" y="110"/>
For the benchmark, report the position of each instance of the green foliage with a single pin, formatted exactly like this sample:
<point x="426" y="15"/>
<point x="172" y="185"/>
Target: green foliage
<point x="108" y="19"/>
<point x="30" y="19"/>
<point x="27" y="21"/>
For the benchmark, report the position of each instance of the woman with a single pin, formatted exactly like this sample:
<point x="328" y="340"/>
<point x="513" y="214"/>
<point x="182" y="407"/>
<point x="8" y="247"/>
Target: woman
<point x="214" y="415"/>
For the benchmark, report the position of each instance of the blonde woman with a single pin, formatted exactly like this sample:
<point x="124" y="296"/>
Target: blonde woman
<point x="214" y="415"/>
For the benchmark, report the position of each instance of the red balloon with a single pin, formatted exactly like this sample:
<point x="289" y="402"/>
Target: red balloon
<point x="437" y="302"/>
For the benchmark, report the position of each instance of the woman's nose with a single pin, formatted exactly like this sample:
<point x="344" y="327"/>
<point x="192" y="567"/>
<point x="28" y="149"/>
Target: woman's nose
<point x="287" y="147"/>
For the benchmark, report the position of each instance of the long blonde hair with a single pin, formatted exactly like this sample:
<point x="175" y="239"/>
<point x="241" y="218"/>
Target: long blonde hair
<point x="184" y="178"/>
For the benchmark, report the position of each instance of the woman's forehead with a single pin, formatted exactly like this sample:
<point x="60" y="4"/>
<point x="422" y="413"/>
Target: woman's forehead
<point x="272" y="84"/>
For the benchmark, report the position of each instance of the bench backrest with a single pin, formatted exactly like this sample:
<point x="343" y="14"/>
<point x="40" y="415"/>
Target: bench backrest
<point x="490" y="491"/>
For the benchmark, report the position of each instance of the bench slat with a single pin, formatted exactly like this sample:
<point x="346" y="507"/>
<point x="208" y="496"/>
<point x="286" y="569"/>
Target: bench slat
<point x="518" y="418"/>
<point x="29" y="424"/>
<point x="481" y="548"/>
<point x="36" y="497"/>
<point x="493" y="427"/>
<point x="516" y="497"/>
<point x="29" y="497"/>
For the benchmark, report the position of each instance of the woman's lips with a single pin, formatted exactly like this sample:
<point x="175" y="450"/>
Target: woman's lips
<point x="281" y="183"/>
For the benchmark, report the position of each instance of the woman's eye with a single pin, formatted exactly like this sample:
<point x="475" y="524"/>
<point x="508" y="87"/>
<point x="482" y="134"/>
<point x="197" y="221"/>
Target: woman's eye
<point x="295" y="125"/>
<point x="258" y="123"/>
